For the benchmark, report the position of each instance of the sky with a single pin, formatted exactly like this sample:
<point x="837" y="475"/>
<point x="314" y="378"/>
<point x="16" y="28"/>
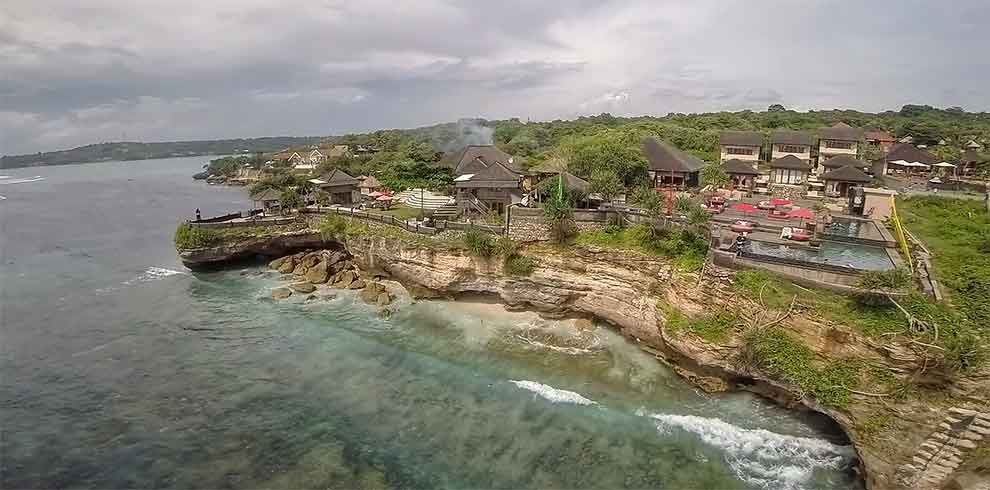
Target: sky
<point x="78" y="72"/>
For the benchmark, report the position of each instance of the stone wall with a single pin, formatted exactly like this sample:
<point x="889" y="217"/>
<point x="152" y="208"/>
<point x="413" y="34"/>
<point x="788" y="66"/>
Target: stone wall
<point x="528" y="224"/>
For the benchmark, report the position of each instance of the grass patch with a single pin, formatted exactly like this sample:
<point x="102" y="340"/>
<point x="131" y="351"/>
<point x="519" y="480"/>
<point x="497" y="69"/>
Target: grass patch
<point x="676" y="321"/>
<point x="334" y="226"/>
<point x="957" y="231"/>
<point x="777" y="353"/>
<point x="713" y="327"/>
<point x="479" y="243"/>
<point x="687" y="247"/>
<point x="189" y="237"/>
<point x="401" y="212"/>
<point x="874" y="426"/>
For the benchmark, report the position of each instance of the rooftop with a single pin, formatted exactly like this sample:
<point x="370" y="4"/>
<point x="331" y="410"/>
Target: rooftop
<point x="740" y="138"/>
<point x="842" y="132"/>
<point x="787" y="137"/>
<point x="847" y="173"/>
<point x="664" y="157"/>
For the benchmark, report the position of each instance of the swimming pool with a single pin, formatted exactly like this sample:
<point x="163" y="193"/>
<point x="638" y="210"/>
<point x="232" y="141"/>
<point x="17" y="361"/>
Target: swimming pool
<point x="854" y="229"/>
<point x="846" y="255"/>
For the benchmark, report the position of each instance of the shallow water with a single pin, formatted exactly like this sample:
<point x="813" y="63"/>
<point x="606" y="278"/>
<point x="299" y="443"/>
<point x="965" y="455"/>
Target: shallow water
<point x="122" y="369"/>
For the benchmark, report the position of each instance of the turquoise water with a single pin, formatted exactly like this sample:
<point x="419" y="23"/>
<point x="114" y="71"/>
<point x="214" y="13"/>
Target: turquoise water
<point x="833" y="253"/>
<point x="123" y="369"/>
<point x="854" y="229"/>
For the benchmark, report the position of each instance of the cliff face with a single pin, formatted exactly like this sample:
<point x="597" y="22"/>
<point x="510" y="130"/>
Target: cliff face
<point x="624" y="289"/>
<point x="923" y="442"/>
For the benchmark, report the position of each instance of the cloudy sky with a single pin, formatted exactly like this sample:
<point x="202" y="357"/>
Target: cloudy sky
<point x="76" y="72"/>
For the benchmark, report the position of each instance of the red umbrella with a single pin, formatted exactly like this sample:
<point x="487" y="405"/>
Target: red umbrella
<point x="384" y="198"/>
<point x="744" y="207"/>
<point x="376" y="194"/>
<point x="780" y="202"/>
<point x="803" y="213"/>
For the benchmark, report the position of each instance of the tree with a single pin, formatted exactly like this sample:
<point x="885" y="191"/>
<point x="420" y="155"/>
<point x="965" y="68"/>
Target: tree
<point x="558" y="212"/>
<point x="618" y="151"/>
<point x="607" y="184"/>
<point x="776" y="108"/>
<point x="712" y="174"/>
<point x="290" y="199"/>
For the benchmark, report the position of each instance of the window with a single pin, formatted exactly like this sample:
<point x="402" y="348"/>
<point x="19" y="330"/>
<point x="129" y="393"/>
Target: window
<point x="787" y="176"/>
<point x="738" y="151"/>
<point x="841" y="145"/>
<point x="794" y="149"/>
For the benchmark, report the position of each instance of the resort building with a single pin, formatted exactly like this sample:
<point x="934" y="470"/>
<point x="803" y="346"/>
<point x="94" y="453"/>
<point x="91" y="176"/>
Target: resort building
<point x="342" y="188"/>
<point x="670" y="166"/>
<point x="907" y="158"/>
<point x="268" y="199"/>
<point x="741" y="174"/>
<point x="839" y="139"/>
<point x="475" y="158"/>
<point x="970" y="157"/>
<point x="844" y="161"/>
<point x="789" y="170"/>
<point x="838" y="181"/>
<point x="490" y="189"/>
<point x="791" y="143"/>
<point x="740" y="145"/>
<point x="880" y="139"/>
<point x="369" y="184"/>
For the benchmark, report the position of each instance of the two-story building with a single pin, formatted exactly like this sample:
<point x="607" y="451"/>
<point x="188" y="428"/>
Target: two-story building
<point x="880" y="139"/>
<point x="839" y="139"/>
<point x="797" y="144"/>
<point x="740" y="145"/>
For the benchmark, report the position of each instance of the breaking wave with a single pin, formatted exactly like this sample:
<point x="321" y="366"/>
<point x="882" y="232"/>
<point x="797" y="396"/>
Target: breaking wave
<point x="7" y="180"/>
<point x="553" y="394"/>
<point x="760" y="457"/>
<point x="153" y="273"/>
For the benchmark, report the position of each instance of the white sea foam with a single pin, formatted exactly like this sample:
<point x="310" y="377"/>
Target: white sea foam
<point x="8" y="180"/>
<point x="153" y="273"/>
<point x="760" y="457"/>
<point x="553" y="394"/>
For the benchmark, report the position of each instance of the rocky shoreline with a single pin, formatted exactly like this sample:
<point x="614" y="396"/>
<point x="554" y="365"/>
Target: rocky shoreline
<point x="622" y="289"/>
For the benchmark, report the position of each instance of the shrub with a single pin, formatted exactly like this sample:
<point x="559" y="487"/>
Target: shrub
<point x="714" y="327"/>
<point x="519" y="265"/>
<point x="479" y="243"/>
<point x="505" y="247"/>
<point x="892" y="279"/>
<point x="189" y="237"/>
<point x="340" y="228"/>
<point x="777" y="353"/>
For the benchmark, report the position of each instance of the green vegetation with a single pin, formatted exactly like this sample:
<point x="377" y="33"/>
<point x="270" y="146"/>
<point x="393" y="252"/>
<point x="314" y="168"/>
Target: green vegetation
<point x="960" y="347"/>
<point x="713" y="327"/>
<point x="684" y="244"/>
<point x="519" y="265"/>
<point x="280" y="181"/>
<point x="558" y="211"/>
<point x="401" y="212"/>
<point x="712" y="174"/>
<point x="189" y="237"/>
<point x="479" y="243"/>
<point x="957" y="231"/>
<point x="776" y="352"/>
<point x="334" y="226"/>
<point x="888" y="280"/>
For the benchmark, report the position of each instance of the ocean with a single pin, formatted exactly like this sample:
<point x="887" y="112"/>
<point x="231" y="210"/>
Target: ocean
<point x="119" y="368"/>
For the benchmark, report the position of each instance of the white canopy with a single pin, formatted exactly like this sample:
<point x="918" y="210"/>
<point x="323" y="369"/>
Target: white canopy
<point x="901" y="162"/>
<point x="944" y="165"/>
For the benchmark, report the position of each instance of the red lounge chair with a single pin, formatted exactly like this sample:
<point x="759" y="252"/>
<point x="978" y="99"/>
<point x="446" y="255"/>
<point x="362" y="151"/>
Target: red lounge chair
<point x="778" y="214"/>
<point x="742" y="227"/>
<point x="799" y="235"/>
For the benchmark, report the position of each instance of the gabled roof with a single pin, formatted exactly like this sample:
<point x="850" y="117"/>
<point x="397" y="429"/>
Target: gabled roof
<point x="337" y="177"/>
<point x="664" y="157"/>
<point x="787" y="137"/>
<point x="571" y="182"/>
<point x="791" y="162"/>
<point x="847" y="173"/>
<point x="335" y="151"/>
<point x="267" y="195"/>
<point x="911" y="153"/>
<point x="467" y="156"/>
<point x="842" y="132"/>
<point x="844" y="160"/>
<point x="739" y="167"/>
<point x="879" y="135"/>
<point x="370" y="182"/>
<point x="973" y="144"/>
<point x="495" y="175"/>
<point x="740" y="138"/>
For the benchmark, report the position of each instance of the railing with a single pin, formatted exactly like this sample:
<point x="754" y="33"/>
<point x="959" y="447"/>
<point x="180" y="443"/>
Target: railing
<point x="412" y="227"/>
<point x="235" y="221"/>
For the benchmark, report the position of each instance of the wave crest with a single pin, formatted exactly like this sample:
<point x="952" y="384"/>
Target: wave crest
<point x="552" y="394"/>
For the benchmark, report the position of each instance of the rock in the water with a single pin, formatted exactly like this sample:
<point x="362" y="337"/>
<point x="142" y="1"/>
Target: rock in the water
<point x="346" y="278"/>
<point x="312" y="259"/>
<point x="371" y="292"/>
<point x="383" y="299"/>
<point x="312" y="297"/>
<point x="358" y="284"/>
<point x="277" y="263"/>
<point x="288" y="265"/>
<point x="303" y="287"/>
<point x="318" y="273"/>
<point x="584" y="324"/>
<point x="300" y="269"/>
<point x="281" y="293"/>
<point x="335" y="258"/>
<point x="286" y="277"/>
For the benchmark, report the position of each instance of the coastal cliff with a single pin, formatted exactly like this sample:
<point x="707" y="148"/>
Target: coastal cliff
<point x="930" y="440"/>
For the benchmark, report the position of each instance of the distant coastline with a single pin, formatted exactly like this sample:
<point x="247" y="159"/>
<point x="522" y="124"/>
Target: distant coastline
<point x="124" y="151"/>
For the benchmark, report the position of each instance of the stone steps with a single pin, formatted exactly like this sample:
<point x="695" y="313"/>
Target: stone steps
<point x="936" y="459"/>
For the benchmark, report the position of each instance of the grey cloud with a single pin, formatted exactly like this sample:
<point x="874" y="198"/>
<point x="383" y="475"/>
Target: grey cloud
<point x="77" y="72"/>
